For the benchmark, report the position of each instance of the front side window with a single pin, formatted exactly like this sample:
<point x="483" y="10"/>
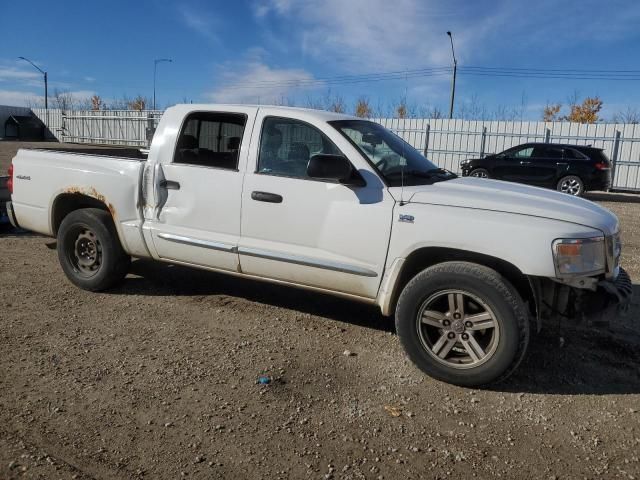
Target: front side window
<point x="397" y="161"/>
<point x="522" y="153"/>
<point x="286" y="145"/>
<point x="211" y="140"/>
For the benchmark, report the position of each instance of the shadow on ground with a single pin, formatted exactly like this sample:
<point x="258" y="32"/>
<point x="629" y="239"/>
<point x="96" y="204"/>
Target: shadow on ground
<point x="161" y="279"/>
<point x="564" y="359"/>
<point x="590" y="362"/>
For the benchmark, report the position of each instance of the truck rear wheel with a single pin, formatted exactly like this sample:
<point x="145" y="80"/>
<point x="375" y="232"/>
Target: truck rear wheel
<point x="463" y="323"/>
<point x="89" y="250"/>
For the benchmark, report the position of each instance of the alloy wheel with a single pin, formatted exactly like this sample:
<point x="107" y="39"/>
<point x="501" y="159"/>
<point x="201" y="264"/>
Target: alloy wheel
<point x="570" y="186"/>
<point x="458" y="329"/>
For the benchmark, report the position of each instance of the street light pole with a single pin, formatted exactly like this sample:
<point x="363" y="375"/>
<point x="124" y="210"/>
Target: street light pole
<point x="46" y="88"/>
<point x="155" y="68"/>
<point x="453" y="80"/>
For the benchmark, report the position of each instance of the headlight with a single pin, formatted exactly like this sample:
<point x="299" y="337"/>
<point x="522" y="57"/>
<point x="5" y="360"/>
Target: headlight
<point x="579" y="256"/>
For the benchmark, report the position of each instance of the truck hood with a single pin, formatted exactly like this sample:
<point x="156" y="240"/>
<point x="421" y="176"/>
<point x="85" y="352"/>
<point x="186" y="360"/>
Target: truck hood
<point x="499" y="196"/>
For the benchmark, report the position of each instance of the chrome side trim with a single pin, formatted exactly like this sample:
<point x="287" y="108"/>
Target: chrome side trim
<point x="223" y="247"/>
<point x="309" y="262"/>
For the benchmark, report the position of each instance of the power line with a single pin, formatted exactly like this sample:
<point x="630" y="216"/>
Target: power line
<point x="515" y="72"/>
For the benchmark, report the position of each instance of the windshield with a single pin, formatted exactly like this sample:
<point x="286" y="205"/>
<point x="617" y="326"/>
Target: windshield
<point x="397" y="161"/>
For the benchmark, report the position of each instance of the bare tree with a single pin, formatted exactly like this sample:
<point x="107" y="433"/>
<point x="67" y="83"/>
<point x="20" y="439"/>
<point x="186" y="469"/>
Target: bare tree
<point x="63" y="100"/>
<point x="337" y="105"/>
<point x="630" y="115"/>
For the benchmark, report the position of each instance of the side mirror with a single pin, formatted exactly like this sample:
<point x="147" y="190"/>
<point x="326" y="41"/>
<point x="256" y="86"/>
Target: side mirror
<point x="334" y="167"/>
<point x="371" y="139"/>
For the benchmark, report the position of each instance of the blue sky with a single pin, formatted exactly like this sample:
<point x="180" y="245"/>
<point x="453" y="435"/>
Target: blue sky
<point x="108" y="48"/>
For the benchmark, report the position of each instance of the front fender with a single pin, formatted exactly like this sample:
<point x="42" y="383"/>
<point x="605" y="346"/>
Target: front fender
<point x="522" y="240"/>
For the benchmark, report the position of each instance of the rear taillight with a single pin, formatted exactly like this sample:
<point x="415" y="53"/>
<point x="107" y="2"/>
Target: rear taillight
<point x="10" y="181"/>
<point x="602" y="166"/>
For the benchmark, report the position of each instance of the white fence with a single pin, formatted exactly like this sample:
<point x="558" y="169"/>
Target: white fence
<point x="110" y="127"/>
<point x="445" y="142"/>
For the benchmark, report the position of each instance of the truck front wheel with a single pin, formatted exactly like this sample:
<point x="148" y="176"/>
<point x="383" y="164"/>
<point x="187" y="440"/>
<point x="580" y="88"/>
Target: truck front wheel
<point x="463" y="323"/>
<point x="89" y="250"/>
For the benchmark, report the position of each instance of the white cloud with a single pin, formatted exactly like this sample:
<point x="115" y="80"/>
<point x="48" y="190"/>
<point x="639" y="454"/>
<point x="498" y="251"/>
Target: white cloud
<point x="367" y="35"/>
<point x="200" y="23"/>
<point x="20" y="98"/>
<point x="12" y="74"/>
<point x="25" y="98"/>
<point x="255" y="82"/>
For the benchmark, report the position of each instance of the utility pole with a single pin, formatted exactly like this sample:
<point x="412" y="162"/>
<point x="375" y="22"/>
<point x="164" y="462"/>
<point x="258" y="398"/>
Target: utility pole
<point x="155" y="68"/>
<point x="453" y="80"/>
<point x="46" y="89"/>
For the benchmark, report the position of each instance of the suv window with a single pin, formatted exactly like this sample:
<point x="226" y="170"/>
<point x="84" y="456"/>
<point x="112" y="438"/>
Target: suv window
<point x="574" y="154"/>
<point x="211" y="140"/>
<point x="521" y="152"/>
<point x="286" y="145"/>
<point x="548" y="152"/>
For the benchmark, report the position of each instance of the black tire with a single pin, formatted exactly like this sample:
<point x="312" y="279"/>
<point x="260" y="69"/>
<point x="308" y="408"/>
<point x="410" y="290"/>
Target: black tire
<point x="91" y="230"/>
<point x="481" y="283"/>
<point x="571" y="185"/>
<point x="480" y="173"/>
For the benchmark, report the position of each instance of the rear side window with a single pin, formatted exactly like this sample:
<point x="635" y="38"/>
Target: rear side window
<point x="573" y="154"/>
<point x="211" y="140"/>
<point x="548" y="152"/>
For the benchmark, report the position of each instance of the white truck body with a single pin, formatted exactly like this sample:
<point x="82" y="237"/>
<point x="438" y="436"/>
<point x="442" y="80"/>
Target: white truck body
<point x="353" y="241"/>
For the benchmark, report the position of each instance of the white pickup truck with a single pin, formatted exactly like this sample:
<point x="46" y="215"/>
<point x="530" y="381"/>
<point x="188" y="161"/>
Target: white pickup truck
<point x="335" y="204"/>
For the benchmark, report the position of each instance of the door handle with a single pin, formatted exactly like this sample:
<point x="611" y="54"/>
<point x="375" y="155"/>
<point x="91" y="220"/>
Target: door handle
<point x="524" y="163"/>
<point x="266" y="197"/>
<point x="170" y="184"/>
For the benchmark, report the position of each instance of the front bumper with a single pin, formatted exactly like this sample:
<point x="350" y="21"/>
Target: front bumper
<point x="597" y="305"/>
<point x="610" y="299"/>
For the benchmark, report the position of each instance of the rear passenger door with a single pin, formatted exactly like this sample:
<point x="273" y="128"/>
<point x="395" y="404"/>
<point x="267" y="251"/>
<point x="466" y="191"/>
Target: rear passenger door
<point x="545" y="161"/>
<point x="197" y="220"/>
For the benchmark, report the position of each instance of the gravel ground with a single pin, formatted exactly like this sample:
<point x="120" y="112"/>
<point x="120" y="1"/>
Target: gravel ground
<point x="158" y="379"/>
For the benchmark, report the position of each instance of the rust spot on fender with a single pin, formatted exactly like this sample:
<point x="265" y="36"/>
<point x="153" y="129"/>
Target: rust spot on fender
<point x="93" y="193"/>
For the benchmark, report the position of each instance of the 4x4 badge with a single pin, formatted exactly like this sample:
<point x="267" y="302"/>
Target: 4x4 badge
<point x="406" y="218"/>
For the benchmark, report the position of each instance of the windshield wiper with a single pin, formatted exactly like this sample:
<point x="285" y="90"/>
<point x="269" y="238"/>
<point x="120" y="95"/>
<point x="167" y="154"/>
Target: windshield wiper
<point x="434" y="172"/>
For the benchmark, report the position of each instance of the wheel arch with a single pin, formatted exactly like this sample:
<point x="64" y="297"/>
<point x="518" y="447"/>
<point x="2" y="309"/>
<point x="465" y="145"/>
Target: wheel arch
<point x="426" y="257"/>
<point x="65" y="203"/>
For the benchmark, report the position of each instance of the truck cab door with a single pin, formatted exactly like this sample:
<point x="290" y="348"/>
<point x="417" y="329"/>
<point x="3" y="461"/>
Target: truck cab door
<point x="306" y="231"/>
<point x="197" y="190"/>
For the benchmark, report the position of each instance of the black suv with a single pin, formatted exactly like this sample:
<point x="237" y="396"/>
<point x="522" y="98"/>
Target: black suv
<point x="572" y="169"/>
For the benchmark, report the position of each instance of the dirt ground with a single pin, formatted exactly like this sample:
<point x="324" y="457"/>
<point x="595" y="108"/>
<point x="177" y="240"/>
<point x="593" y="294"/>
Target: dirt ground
<point x="158" y="379"/>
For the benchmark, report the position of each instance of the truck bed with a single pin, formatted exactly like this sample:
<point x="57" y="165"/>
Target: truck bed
<point x="112" y="151"/>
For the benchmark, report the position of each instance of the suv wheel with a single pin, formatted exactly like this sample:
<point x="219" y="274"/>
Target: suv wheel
<point x="572" y="185"/>
<point x="463" y="323"/>
<point x="480" y="173"/>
